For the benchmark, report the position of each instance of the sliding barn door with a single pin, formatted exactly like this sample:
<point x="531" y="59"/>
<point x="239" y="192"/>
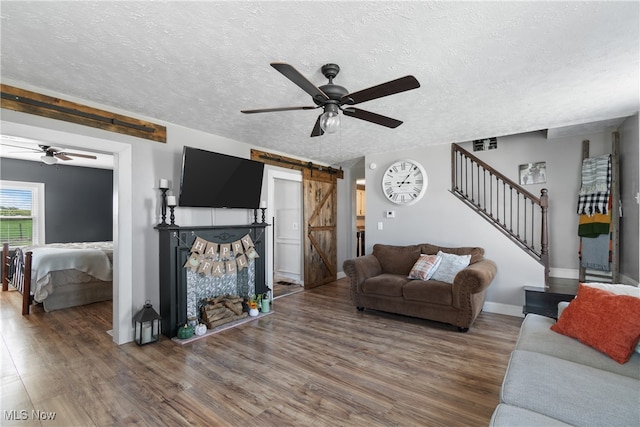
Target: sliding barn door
<point x="320" y="243"/>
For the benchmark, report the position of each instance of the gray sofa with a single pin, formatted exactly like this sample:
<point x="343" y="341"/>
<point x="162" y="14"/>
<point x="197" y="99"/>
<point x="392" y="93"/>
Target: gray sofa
<point x="554" y="380"/>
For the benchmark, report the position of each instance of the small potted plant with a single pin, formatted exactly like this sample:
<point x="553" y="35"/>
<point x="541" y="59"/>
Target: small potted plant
<point x="253" y="306"/>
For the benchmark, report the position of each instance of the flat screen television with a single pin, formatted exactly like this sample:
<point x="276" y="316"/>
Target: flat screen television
<point x="214" y="180"/>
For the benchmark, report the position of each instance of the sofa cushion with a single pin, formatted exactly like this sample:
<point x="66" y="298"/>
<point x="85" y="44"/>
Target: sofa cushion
<point x="512" y="416"/>
<point x="424" y="268"/>
<point x="450" y="265"/>
<point x="477" y="254"/>
<point x="430" y="291"/>
<point x="396" y="259"/>
<point x="385" y="284"/>
<point x="536" y="336"/>
<point x="570" y="392"/>
<point x="605" y="321"/>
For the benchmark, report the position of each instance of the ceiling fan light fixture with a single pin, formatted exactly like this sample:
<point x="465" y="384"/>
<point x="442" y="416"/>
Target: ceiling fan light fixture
<point x="49" y="160"/>
<point x="330" y="119"/>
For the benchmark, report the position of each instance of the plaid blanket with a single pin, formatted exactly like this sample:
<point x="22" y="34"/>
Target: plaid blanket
<point x="590" y="204"/>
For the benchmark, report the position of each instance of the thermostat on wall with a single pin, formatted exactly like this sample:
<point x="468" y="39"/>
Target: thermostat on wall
<point x="391" y="214"/>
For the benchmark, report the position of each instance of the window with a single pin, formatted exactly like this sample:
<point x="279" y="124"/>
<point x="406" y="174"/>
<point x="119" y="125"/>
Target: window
<point x="21" y="213"/>
<point x="485" y="144"/>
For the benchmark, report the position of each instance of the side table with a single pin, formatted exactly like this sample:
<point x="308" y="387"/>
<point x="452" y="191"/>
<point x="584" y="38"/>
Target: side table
<point x="544" y="301"/>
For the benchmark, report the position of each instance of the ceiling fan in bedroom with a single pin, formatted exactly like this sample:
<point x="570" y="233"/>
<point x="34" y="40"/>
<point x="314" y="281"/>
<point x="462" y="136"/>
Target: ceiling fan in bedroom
<point x="333" y="98"/>
<point x="51" y="155"/>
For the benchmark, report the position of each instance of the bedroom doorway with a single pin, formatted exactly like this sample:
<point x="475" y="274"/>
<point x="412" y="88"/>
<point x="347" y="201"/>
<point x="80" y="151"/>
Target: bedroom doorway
<point x="122" y="211"/>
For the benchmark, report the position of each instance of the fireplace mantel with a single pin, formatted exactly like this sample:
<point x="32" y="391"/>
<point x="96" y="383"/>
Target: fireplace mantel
<point x="175" y="246"/>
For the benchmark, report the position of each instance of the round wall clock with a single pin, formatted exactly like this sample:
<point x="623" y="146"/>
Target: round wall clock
<point x="404" y="182"/>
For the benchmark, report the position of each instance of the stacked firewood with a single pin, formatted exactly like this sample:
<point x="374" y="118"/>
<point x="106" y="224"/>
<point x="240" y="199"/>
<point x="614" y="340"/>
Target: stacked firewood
<point x="222" y="309"/>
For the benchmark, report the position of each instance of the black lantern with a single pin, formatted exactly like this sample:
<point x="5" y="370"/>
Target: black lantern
<point x="147" y="324"/>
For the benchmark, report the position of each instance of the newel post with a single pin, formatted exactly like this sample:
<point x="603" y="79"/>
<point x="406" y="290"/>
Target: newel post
<point x="544" y="238"/>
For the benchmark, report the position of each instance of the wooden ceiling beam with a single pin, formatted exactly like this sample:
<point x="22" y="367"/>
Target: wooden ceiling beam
<point x="296" y="164"/>
<point x="25" y="101"/>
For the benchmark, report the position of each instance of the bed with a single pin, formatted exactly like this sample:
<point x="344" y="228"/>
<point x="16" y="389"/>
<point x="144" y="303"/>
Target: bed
<point x="59" y="275"/>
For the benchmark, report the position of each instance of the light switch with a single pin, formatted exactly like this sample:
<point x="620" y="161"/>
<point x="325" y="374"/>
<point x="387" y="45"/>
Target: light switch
<point x="380" y="225"/>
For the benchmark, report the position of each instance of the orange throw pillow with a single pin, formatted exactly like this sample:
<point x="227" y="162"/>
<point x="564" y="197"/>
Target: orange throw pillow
<point x="608" y="322"/>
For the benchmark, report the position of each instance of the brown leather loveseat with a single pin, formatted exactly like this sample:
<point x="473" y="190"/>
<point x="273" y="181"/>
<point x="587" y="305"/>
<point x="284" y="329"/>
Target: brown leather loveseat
<point x="379" y="281"/>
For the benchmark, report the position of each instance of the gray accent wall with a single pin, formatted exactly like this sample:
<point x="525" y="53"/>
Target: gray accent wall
<point x="78" y="200"/>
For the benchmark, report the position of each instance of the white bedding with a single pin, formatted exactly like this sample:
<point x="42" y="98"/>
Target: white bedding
<point x="92" y="258"/>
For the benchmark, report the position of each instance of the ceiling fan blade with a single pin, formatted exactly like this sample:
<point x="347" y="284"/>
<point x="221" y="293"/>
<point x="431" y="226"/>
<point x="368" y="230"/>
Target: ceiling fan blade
<point x="35" y="150"/>
<point x="294" y="75"/>
<point x="317" y="130"/>
<point x="66" y="154"/>
<point x="371" y="117"/>
<point x="270" y="110"/>
<point x="385" y="89"/>
<point x="62" y="156"/>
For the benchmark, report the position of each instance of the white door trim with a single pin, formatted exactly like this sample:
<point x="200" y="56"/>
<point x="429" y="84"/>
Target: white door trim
<point x="274" y="173"/>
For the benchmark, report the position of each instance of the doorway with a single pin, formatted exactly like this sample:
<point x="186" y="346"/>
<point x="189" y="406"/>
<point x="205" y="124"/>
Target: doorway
<point x="285" y="210"/>
<point x="122" y="212"/>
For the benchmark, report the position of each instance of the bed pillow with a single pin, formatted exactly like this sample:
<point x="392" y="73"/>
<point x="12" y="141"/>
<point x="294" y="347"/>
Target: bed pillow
<point x="608" y="322"/>
<point x="450" y="266"/>
<point x="424" y="268"/>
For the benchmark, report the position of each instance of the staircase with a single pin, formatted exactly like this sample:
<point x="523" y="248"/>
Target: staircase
<point x="517" y="213"/>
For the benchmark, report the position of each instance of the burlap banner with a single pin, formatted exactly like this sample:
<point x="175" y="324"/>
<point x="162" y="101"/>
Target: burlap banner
<point x="214" y="259"/>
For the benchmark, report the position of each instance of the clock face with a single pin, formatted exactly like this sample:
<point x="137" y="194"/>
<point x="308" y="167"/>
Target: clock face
<point x="404" y="182"/>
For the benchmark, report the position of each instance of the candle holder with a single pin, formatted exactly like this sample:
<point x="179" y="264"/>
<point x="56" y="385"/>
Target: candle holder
<point x="255" y="216"/>
<point x="172" y="216"/>
<point x="263" y="215"/>
<point x="164" y="208"/>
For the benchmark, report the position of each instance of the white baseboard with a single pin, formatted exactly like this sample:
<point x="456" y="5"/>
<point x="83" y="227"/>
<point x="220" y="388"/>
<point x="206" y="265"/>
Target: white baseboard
<point x="564" y="273"/>
<point x="506" y="309"/>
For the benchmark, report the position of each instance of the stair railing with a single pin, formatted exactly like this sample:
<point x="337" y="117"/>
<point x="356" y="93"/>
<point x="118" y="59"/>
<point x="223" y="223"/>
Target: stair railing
<point x="516" y="212"/>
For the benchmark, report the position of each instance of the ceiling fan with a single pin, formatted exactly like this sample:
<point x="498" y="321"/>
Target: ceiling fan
<point x="333" y="98"/>
<point x="51" y="155"/>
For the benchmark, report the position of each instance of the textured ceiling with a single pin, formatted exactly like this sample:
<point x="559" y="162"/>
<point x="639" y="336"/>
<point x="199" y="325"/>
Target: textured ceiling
<point x="485" y="68"/>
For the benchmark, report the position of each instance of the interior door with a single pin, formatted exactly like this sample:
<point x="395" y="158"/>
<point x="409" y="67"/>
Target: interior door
<point x="320" y="240"/>
<point x="287" y="233"/>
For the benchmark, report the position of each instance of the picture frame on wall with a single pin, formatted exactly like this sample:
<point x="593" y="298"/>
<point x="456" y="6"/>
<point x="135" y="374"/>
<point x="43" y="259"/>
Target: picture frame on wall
<point x="533" y="173"/>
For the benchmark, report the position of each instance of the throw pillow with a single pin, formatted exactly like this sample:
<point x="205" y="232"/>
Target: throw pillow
<point x="424" y="268"/>
<point x="608" y="322"/>
<point x="450" y="266"/>
<point x="618" y="289"/>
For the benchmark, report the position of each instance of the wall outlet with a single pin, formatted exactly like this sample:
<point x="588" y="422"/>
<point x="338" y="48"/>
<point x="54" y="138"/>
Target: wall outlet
<point x="380" y="225"/>
<point x="391" y="214"/>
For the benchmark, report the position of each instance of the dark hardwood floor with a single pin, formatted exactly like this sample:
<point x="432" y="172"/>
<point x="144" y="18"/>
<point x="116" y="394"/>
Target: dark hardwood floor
<point x="316" y="361"/>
